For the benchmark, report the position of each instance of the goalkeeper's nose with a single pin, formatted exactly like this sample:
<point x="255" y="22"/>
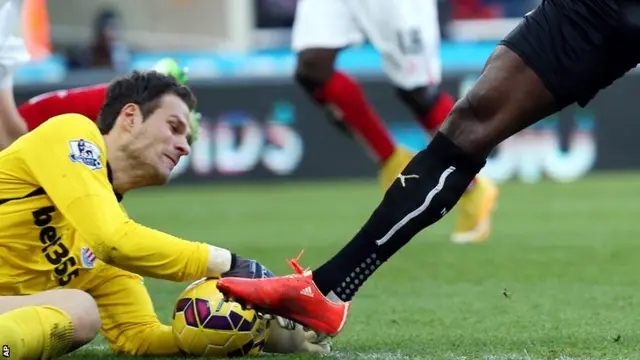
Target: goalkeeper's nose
<point x="182" y="148"/>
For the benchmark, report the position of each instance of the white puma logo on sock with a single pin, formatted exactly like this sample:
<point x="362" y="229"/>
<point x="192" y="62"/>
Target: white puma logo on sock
<point x="421" y="208"/>
<point x="403" y="177"/>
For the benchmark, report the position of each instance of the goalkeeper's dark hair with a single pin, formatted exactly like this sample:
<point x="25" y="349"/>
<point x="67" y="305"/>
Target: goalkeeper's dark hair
<point x="144" y="88"/>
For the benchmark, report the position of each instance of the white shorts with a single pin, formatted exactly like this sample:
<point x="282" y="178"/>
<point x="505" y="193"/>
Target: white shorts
<point x="13" y="50"/>
<point x="405" y="32"/>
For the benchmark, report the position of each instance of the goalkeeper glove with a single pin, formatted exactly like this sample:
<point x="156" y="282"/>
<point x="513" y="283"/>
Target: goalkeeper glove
<point x="246" y="268"/>
<point x="288" y="337"/>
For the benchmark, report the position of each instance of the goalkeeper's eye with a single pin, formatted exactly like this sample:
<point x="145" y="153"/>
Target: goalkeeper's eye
<point x="177" y="126"/>
<point x="180" y="127"/>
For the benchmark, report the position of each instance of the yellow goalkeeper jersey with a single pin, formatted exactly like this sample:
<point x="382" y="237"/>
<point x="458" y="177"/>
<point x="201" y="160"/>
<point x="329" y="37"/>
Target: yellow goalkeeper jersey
<point x="61" y="219"/>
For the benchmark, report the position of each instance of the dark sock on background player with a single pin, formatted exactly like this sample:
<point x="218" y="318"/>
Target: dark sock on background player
<point x="430" y="105"/>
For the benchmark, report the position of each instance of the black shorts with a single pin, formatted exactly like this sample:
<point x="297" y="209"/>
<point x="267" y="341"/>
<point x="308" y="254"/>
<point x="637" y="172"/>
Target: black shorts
<point x="578" y="47"/>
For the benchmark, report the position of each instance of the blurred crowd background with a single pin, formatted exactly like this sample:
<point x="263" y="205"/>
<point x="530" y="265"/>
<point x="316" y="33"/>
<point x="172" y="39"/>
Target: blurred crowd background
<point x="70" y="35"/>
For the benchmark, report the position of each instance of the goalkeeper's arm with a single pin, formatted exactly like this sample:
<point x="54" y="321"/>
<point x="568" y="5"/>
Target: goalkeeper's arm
<point x="123" y="243"/>
<point x="85" y="197"/>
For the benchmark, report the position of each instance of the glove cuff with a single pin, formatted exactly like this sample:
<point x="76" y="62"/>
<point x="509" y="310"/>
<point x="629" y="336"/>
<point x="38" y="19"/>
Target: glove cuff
<point x="220" y="261"/>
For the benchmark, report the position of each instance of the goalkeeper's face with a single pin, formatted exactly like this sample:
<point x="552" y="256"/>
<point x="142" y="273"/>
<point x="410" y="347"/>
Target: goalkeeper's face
<point x="160" y="140"/>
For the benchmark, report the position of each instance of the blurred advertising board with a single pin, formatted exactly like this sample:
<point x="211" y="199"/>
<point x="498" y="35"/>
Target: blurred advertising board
<point x="268" y="129"/>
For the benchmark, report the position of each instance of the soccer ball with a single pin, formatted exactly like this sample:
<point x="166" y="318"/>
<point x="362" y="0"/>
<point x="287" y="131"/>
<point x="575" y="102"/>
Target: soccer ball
<point x="204" y="324"/>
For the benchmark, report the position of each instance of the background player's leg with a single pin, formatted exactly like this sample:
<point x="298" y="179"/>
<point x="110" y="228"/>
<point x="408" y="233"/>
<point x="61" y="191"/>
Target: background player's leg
<point x="344" y="101"/>
<point x="13" y="53"/>
<point x="508" y="97"/>
<point x="429" y="104"/>
<point x="51" y="323"/>
<point x="12" y="126"/>
<point x="321" y="28"/>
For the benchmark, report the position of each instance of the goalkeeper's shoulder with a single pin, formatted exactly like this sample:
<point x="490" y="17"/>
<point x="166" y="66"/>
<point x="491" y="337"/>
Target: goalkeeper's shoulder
<point x="69" y="122"/>
<point x="69" y="127"/>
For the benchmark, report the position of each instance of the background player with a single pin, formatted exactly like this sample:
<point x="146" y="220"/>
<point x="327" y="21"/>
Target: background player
<point x="122" y="308"/>
<point x="13" y="54"/>
<point x="85" y="100"/>
<point x="541" y="67"/>
<point x="407" y="35"/>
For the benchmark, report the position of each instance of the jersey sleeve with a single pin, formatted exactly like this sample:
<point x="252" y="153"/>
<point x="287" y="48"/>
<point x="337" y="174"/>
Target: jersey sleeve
<point x="67" y="158"/>
<point x="85" y="101"/>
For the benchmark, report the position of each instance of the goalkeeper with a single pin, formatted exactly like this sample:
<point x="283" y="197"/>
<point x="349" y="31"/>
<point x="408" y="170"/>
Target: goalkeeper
<point x="71" y="260"/>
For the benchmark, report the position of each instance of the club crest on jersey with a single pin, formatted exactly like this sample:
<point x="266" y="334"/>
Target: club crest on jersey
<point x="88" y="258"/>
<point x="85" y="152"/>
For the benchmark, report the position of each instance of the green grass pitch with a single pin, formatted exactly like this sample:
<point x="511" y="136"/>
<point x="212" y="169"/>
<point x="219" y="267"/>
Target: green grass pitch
<point x="560" y="279"/>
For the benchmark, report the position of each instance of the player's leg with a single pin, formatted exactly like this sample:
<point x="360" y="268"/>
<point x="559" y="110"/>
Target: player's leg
<point x="507" y="97"/>
<point x="129" y="322"/>
<point x="13" y="54"/>
<point x="528" y="77"/>
<point x="48" y="324"/>
<point x="320" y="30"/>
<point x="541" y="67"/>
<point x="12" y="126"/>
<point x="408" y="36"/>
<point x="431" y="105"/>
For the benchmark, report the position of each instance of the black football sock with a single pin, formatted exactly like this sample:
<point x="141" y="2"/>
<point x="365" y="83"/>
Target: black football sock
<point x="430" y="185"/>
